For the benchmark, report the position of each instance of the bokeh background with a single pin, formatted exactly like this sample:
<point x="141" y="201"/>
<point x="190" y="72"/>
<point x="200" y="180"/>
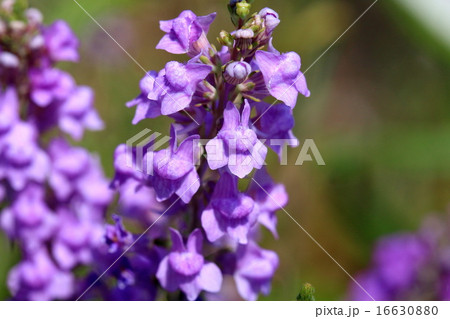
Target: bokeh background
<point x="379" y="113"/>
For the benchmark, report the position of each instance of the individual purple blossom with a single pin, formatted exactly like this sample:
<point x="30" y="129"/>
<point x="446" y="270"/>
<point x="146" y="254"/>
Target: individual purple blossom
<point x="116" y="237"/>
<point x="146" y="108"/>
<point x="229" y="212"/>
<point x="61" y="42"/>
<point x="174" y="170"/>
<point x="38" y="278"/>
<point x="236" y="145"/>
<point x="50" y="85"/>
<point x="186" y="34"/>
<point x="9" y="109"/>
<point x="75" y="240"/>
<point x="77" y="113"/>
<point x="282" y="75"/>
<point x="269" y="198"/>
<point x="176" y="85"/>
<point x="29" y="218"/>
<point x="274" y="124"/>
<point x="271" y="20"/>
<point x="186" y="269"/>
<point x="255" y="268"/>
<point x="21" y="159"/>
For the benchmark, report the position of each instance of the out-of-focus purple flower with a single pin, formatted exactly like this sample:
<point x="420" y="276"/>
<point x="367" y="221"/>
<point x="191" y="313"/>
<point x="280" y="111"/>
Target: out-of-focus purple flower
<point x="174" y="168"/>
<point x="175" y="86"/>
<point x="146" y="108"/>
<point x="269" y="198"/>
<point x="229" y="212"/>
<point x="275" y="123"/>
<point x="21" y="159"/>
<point x="78" y="113"/>
<point x="61" y="42"/>
<point x="255" y="268"/>
<point x="75" y="240"/>
<point x="116" y="236"/>
<point x="29" y="219"/>
<point x="185" y="267"/>
<point x="186" y="34"/>
<point x="38" y="278"/>
<point x="282" y="75"/>
<point x="50" y="85"/>
<point x="236" y="145"/>
<point x="9" y="109"/>
<point x="398" y="258"/>
<point x="373" y="286"/>
<point x="76" y="173"/>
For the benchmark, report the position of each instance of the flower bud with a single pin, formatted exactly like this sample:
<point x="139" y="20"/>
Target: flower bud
<point x="244" y="38"/>
<point x="225" y="38"/>
<point x="36" y="42"/>
<point x="271" y="19"/>
<point x="9" y="60"/>
<point x="34" y="17"/>
<point x="237" y="72"/>
<point x="243" y="9"/>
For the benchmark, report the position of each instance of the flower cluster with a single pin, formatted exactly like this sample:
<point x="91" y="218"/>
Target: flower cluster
<point x="201" y="223"/>
<point x="53" y="196"/>
<point x="409" y="266"/>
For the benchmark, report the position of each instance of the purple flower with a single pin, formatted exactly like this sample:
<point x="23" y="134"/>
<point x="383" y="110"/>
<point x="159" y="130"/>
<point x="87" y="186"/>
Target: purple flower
<point x="75" y="240"/>
<point x="255" y="268"/>
<point x="117" y="238"/>
<point x="282" y="75"/>
<point x="236" y="145"/>
<point x="29" y="219"/>
<point x="21" y="159"/>
<point x="78" y="113"/>
<point x="186" y="269"/>
<point x="50" y="85"/>
<point x="269" y="198"/>
<point x="61" y="42"/>
<point x="146" y="108"/>
<point x="275" y="122"/>
<point x="228" y="212"/>
<point x="174" y="168"/>
<point x="38" y="278"/>
<point x="373" y="285"/>
<point x="9" y="109"/>
<point x="271" y="20"/>
<point x="176" y="84"/>
<point x="186" y="34"/>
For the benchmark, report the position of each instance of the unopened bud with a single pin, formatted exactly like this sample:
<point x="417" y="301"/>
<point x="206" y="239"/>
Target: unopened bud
<point x="34" y="16"/>
<point x="306" y="293"/>
<point x="243" y="9"/>
<point x="36" y="42"/>
<point x="237" y="72"/>
<point x="9" y="60"/>
<point x="271" y="19"/>
<point x="226" y="38"/>
<point x="17" y="26"/>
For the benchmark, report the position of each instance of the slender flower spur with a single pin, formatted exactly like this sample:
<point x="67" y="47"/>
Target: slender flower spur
<point x="53" y="196"/>
<point x="199" y="224"/>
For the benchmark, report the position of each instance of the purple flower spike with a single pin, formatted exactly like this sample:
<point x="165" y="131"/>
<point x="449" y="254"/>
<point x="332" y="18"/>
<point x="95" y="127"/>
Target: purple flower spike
<point x="185" y="268"/>
<point x="255" y="268"/>
<point x="282" y="75"/>
<point x="176" y="86"/>
<point x="267" y="204"/>
<point x="229" y="212"/>
<point x="174" y="168"/>
<point x="236" y="145"/>
<point x="146" y="108"/>
<point x="61" y="42"/>
<point x="186" y="34"/>
<point x="9" y="109"/>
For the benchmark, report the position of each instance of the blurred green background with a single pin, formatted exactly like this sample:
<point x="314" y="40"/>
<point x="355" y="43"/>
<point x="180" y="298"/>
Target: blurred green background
<point x="379" y="114"/>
